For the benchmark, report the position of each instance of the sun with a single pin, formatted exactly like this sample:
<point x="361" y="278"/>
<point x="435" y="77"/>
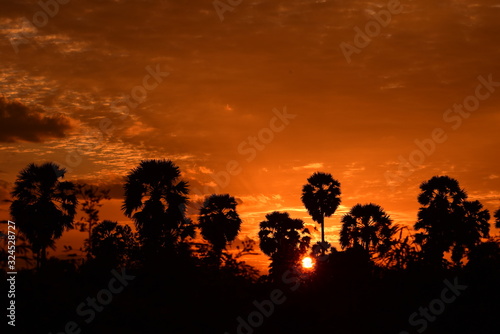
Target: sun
<point x="307" y="263"/>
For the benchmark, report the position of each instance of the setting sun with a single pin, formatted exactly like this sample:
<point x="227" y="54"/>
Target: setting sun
<point x="307" y="263"/>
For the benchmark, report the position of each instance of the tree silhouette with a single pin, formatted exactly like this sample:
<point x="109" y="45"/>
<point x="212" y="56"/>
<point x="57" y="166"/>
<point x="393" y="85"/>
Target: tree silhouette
<point x="448" y="220"/>
<point x="155" y="198"/>
<point x="112" y="244"/>
<point x="283" y="239"/>
<point x="234" y="267"/>
<point x="43" y="207"/>
<point x="484" y="259"/>
<point x="367" y="226"/>
<point x="90" y="198"/>
<point x="497" y="218"/>
<point x="469" y="229"/>
<point x="321" y="197"/>
<point x="440" y="197"/>
<point x="219" y="222"/>
<point x="403" y="251"/>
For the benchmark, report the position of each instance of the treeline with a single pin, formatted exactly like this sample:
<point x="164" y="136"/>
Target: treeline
<point x="383" y="273"/>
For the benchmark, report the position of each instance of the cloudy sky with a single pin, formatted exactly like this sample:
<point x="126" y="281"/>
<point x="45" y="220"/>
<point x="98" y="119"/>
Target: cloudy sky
<point x="381" y="94"/>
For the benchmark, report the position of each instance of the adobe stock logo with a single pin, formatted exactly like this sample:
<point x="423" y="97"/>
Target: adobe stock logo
<point x="455" y="116"/>
<point x="362" y="39"/>
<point x="249" y="148"/>
<point x="221" y="7"/>
<point x="436" y="306"/>
<point x="98" y="136"/>
<point x="266" y="308"/>
<point x="104" y="297"/>
<point x="50" y="8"/>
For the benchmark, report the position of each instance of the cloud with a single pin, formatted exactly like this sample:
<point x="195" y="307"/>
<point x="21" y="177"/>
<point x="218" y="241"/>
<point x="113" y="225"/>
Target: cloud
<point x="19" y="122"/>
<point x="316" y="165"/>
<point x="4" y="190"/>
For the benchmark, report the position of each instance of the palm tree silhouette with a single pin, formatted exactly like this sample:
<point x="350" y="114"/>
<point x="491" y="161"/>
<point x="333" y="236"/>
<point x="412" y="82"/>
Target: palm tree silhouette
<point x="219" y="222"/>
<point x="283" y="239"/>
<point x="321" y="197"/>
<point x="441" y="198"/>
<point x="468" y="231"/>
<point x="155" y="199"/>
<point x="43" y="207"/>
<point x="367" y="226"/>
<point x="497" y="218"/>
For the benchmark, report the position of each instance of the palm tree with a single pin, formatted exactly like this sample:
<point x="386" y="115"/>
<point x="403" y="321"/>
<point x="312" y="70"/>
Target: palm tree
<point x="497" y="218"/>
<point x="440" y="198"/>
<point x="43" y="207"/>
<point x="321" y="197"/>
<point x="155" y="199"/>
<point x="367" y="226"/>
<point x="219" y="222"/>
<point x="473" y="225"/>
<point x="448" y="220"/>
<point x="283" y="239"/>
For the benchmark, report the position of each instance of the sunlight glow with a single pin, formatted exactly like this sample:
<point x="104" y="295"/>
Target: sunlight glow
<point x="307" y="263"/>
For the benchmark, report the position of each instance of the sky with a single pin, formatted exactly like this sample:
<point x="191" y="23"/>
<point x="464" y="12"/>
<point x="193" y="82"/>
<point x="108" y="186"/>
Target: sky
<point x="252" y="97"/>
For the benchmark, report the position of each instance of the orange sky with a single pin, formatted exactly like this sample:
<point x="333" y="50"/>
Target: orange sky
<point x="354" y="117"/>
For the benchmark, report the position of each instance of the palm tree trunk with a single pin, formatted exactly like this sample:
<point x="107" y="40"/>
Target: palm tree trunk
<point x="218" y="255"/>
<point x="43" y="257"/>
<point x="89" y="254"/>
<point x="38" y="257"/>
<point x="322" y="222"/>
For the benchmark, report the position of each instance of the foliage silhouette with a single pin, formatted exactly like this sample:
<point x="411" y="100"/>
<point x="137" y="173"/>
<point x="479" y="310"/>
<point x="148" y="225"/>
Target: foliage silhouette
<point x="155" y="199"/>
<point x="284" y="240"/>
<point x="382" y="263"/>
<point x="234" y="267"/>
<point x="321" y="197"/>
<point x="497" y="218"/>
<point x="219" y="222"/>
<point x="43" y="207"/>
<point x="113" y="245"/>
<point x="448" y="220"/>
<point x="402" y="253"/>
<point x="90" y="198"/>
<point x="367" y="226"/>
<point x="470" y="228"/>
<point x="485" y="257"/>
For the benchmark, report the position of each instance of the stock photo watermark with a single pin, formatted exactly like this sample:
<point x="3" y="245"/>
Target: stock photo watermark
<point x="372" y="29"/>
<point x="454" y="117"/>
<point x="266" y="308"/>
<point x="100" y="134"/>
<point x="48" y="10"/>
<point x="249" y="149"/>
<point x="221" y="7"/>
<point x="11" y="273"/>
<point x="420" y="320"/>
<point x="87" y="309"/>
